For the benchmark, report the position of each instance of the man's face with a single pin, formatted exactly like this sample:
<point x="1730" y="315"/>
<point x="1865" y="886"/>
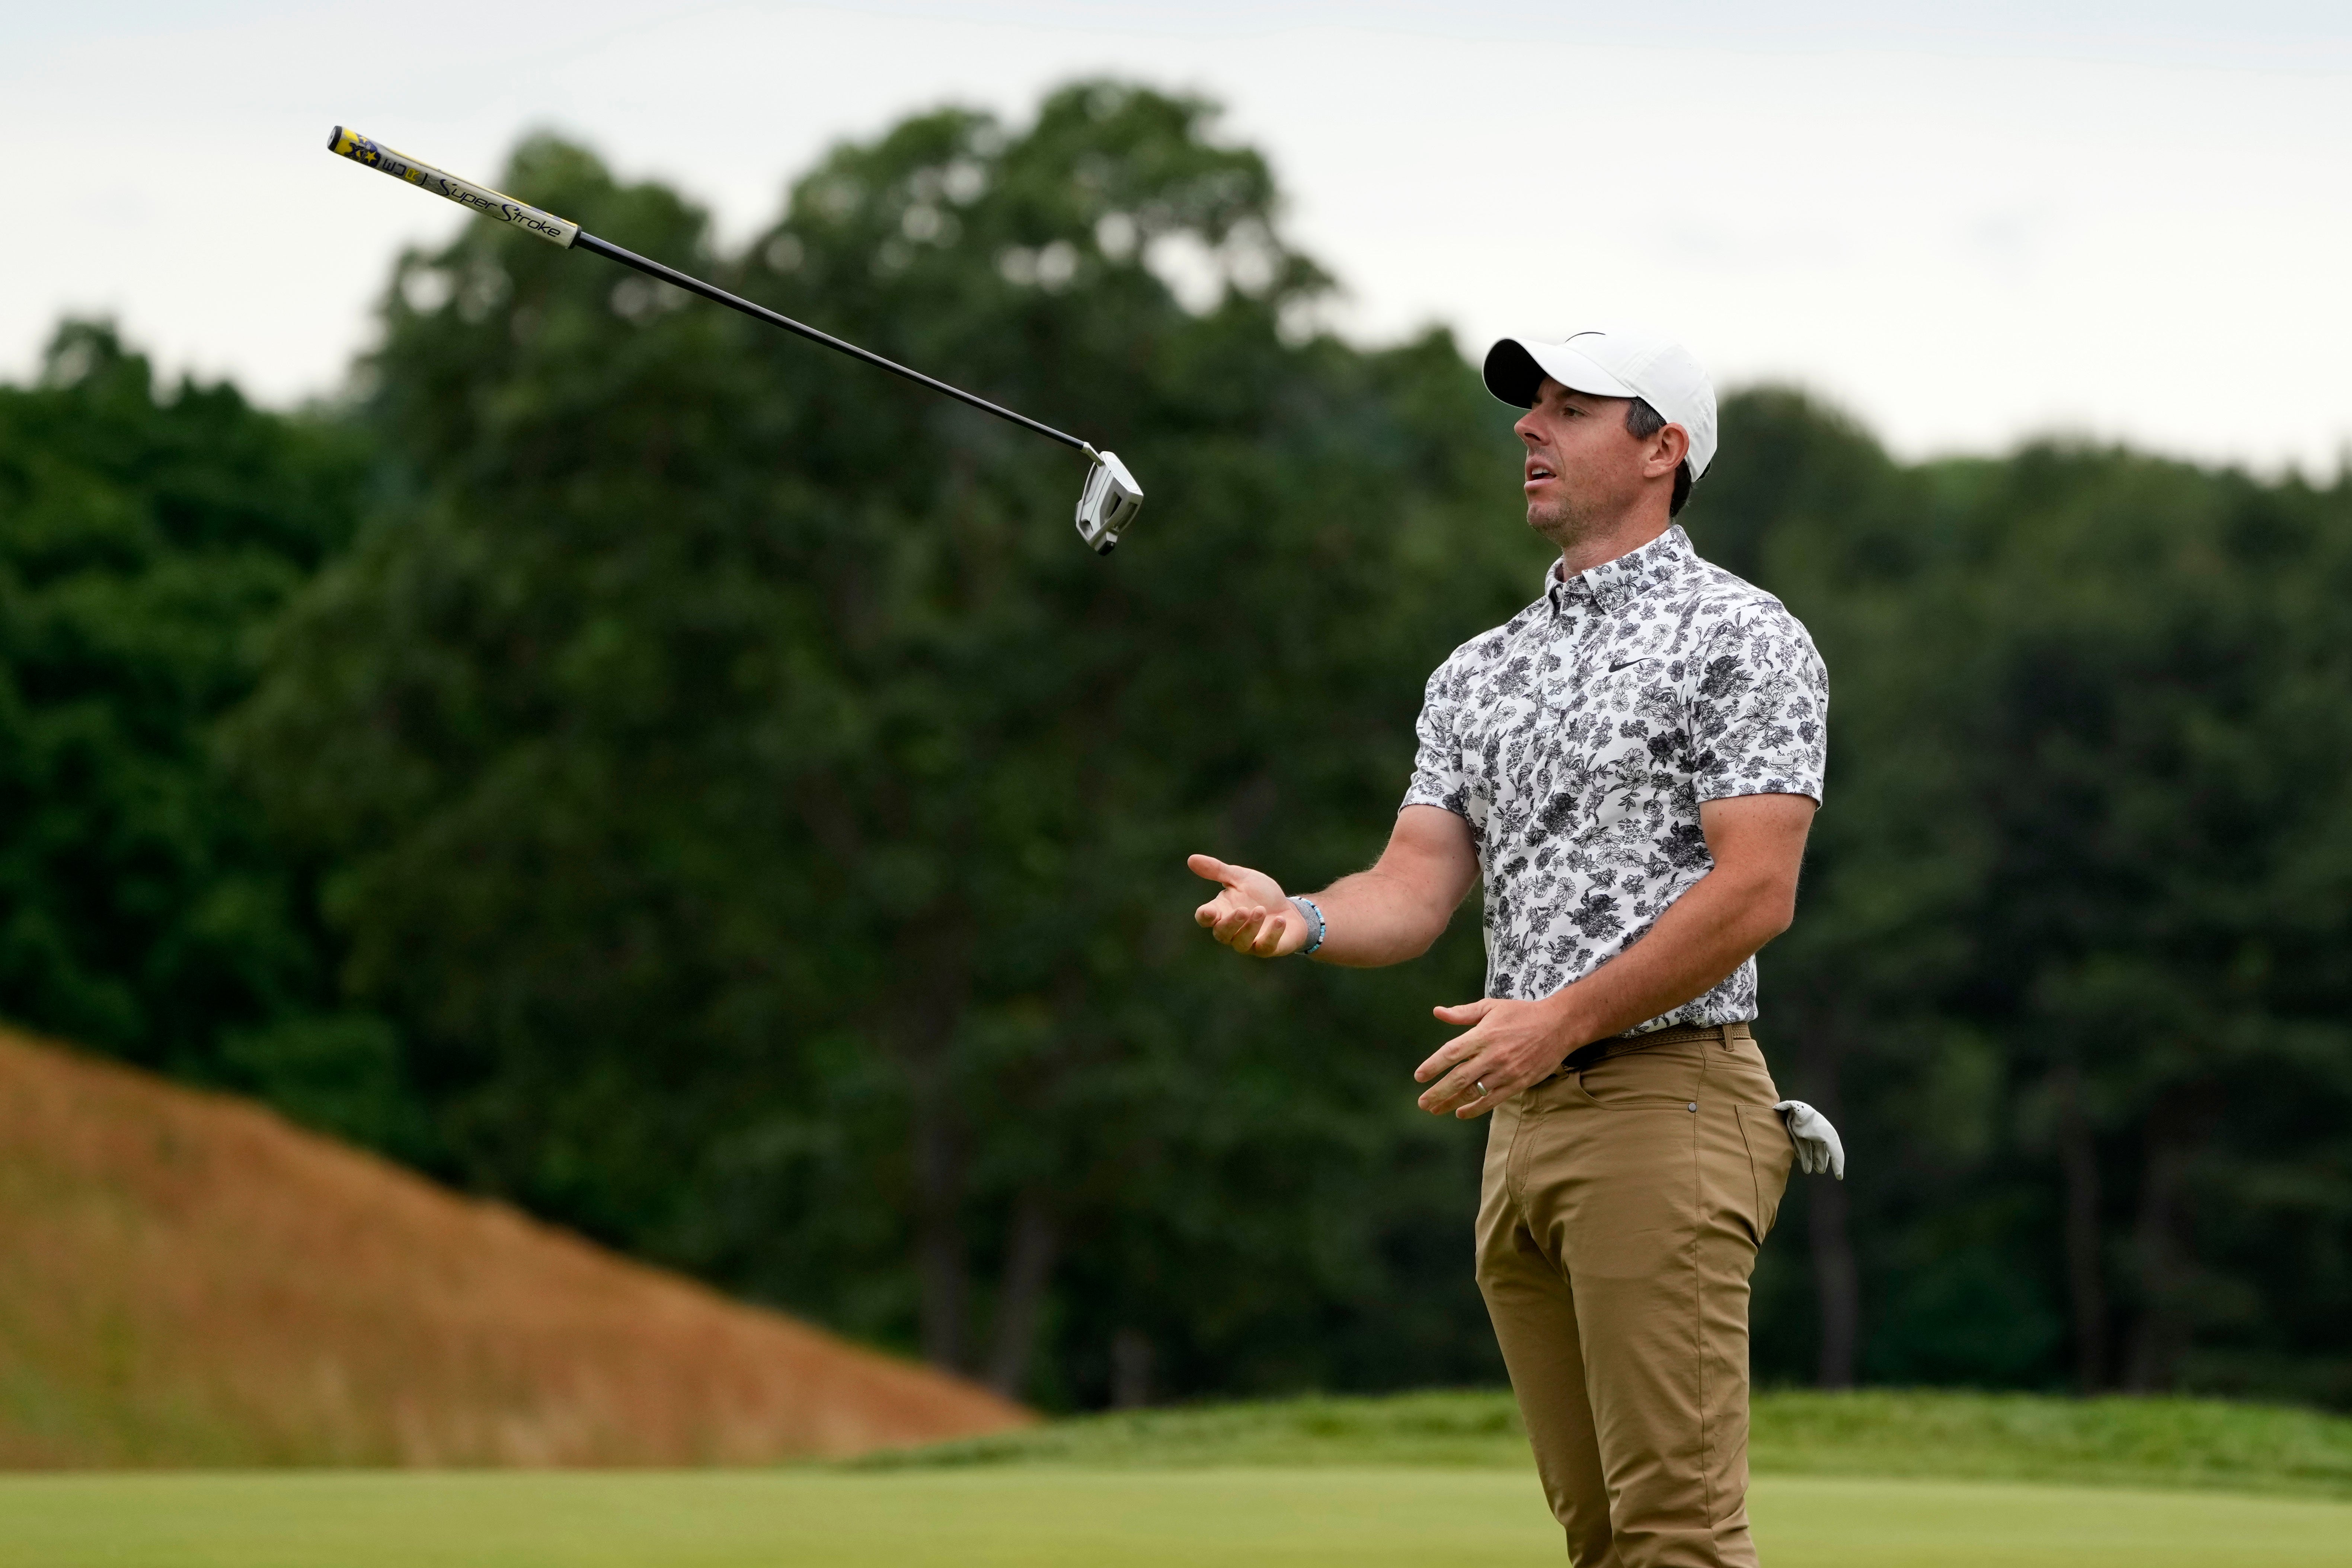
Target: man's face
<point x="1585" y="471"/>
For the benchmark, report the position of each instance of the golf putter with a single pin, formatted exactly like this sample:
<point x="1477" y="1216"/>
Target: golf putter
<point x="1107" y="505"/>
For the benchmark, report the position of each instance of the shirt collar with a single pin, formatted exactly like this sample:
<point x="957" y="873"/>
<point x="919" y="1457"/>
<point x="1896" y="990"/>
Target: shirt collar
<point x="1612" y="585"/>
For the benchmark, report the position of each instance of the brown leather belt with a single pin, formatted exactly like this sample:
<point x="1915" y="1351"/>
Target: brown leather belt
<point x="1600" y="1051"/>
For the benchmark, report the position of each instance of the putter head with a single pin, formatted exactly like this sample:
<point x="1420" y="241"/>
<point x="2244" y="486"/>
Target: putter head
<point x="1109" y="503"/>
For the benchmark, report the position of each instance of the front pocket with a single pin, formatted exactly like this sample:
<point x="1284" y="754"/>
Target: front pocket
<point x="1661" y="1075"/>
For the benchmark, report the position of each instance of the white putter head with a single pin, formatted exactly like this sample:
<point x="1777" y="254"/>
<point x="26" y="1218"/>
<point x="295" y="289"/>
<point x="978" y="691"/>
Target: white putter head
<point x="1109" y="503"/>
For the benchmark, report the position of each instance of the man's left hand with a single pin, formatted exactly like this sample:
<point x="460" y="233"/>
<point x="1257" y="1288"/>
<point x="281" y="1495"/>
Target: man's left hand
<point x="1507" y="1046"/>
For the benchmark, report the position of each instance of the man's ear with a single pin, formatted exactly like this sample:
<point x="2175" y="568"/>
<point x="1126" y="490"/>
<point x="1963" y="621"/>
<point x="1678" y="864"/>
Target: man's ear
<point x="1668" y="447"/>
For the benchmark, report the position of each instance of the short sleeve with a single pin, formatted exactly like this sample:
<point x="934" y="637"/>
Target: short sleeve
<point x="1438" y="778"/>
<point x="1759" y="715"/>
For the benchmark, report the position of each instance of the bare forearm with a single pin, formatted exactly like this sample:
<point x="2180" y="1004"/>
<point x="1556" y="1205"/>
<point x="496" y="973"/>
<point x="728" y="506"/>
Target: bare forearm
<point x="1746" y="898"/>
<point x="1391" y="913"/>
<point x="1702" y="936"/>
<point x="1384" y="915"/>
<point x="1376" y="918"/>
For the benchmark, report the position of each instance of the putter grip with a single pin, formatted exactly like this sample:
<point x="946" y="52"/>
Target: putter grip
<point x="465" y="193"/>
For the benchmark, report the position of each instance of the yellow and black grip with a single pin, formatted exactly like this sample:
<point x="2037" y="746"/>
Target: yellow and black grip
<point x="465" y="193"/>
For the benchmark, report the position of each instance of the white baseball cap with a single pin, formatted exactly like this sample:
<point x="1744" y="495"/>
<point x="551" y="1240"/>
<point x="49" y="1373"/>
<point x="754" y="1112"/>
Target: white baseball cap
<point x="1614" y="362"/>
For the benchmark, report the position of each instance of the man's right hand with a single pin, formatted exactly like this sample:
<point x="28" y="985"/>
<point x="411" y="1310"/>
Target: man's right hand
<point x="1250" y="914"/>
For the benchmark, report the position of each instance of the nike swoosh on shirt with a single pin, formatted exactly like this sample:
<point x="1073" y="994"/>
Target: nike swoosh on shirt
<point x="1631" y="663"/>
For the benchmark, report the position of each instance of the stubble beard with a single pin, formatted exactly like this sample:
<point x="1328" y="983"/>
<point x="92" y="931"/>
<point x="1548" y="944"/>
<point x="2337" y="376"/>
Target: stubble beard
<point x="1560" y="523"/>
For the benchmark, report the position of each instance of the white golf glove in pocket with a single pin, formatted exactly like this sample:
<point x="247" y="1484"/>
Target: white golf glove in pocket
<point x="1818" y="1149"/>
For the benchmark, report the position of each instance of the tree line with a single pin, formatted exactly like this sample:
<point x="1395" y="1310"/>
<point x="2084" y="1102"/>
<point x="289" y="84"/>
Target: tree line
<point x="635" y="764"/>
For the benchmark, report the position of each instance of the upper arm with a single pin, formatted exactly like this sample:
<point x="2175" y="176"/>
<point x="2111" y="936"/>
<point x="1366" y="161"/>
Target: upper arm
<point x="1759" y="838"/>
<point x="1431" y="856"/>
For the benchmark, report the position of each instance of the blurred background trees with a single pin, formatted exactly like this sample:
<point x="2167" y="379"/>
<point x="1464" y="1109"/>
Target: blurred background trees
<point x="147" y="538"/>
<point x="641" y="766"/>
<point x="765" y="823"/>
<point x="2075" y="953"/>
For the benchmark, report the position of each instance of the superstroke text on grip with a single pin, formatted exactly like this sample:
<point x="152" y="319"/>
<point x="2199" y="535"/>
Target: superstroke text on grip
<point x="350" y="145"/>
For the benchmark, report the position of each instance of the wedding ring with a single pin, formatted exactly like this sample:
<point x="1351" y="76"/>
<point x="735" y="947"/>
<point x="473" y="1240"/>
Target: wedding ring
<point x="1480" y="1084"/>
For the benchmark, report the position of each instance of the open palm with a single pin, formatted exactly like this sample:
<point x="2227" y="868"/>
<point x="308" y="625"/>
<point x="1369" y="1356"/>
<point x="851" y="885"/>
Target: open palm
<point x="1250" y="914"/>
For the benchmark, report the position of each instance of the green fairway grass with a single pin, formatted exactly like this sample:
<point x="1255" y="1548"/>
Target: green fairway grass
<point x="2140" y="1443"/>
<point x="1047" y="1517"/>
<point x="1854" y="1481"/>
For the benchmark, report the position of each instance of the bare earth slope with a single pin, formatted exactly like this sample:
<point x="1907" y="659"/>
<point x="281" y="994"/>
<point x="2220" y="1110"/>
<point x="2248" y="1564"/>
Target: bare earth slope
<point x="186" y="1279"/>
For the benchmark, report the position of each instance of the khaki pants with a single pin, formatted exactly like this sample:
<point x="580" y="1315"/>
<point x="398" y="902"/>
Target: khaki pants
<point x="1618" y="1225"/>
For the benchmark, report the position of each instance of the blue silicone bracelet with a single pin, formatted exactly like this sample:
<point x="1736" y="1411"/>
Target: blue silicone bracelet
<point x="1314" y="913"/>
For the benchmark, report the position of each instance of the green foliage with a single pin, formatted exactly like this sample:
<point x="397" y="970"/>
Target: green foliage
<point x="144" y="542"/>
<point x="717" y="804"/>
<point x="770" y="824"/>
<point x="2069" y="964"/>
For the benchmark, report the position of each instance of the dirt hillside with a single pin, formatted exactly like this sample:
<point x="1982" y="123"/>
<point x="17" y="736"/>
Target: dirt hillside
<point x="186" y="1279"/>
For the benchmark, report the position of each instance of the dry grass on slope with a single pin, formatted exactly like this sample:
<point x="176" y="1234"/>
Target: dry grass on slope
<point x="186" y="1279"/>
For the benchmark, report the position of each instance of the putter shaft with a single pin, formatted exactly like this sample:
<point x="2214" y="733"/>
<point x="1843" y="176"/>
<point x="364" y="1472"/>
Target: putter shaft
<point x="570" y="236"/>
<point x="584" y="240"/>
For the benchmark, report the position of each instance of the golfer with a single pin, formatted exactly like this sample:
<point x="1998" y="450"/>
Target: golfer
<point x="1631" y="764"/>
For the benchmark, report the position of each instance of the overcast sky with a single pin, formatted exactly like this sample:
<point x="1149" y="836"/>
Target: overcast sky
<point x="2127" y="221"/>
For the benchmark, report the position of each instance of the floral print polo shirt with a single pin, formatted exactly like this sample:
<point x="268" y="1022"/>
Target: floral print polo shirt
<point x="1578" y="739"/>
